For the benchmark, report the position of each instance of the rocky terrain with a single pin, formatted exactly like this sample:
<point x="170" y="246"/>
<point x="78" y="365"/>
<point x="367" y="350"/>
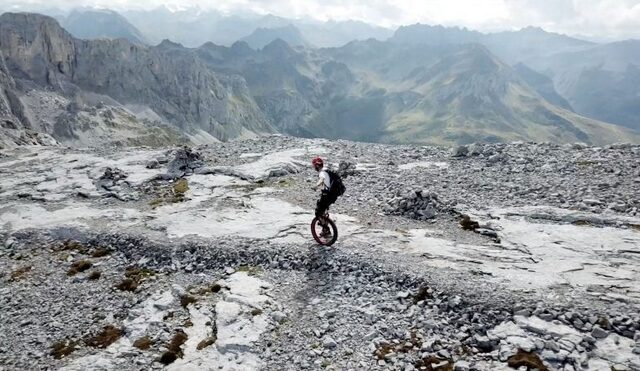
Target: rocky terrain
<point x="481" y="257"/>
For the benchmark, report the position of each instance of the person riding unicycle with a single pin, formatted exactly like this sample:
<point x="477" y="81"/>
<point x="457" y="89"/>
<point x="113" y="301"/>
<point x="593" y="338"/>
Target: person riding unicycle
<point x="326" y="196"/>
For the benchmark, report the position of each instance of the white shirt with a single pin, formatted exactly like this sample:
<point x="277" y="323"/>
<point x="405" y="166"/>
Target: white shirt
<point x="324" y="176"/>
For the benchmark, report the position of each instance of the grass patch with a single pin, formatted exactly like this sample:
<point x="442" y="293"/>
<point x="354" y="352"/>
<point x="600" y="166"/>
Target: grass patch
<point x="383" y="350"/>
<point x="127" y="284"/>
<point x="284" y="183"/>
<point x="208" y="289"/>
<point x="101" y="252"/>
<point x="135" y="272"/>
<point x="139" y="273"/>
<point x="106" y="337"/>
<point x="434" y="364"/>
<point x="133" y="277"/>
<point x="95" y="275"/>
<point x="422" y="294"/>
<point x="180" y="187"/>
<point x="62" y="348"/>
<point x="256" y="311"/>
<point x="73" y="245"/>
<point x="206" y="342"/>
<point x="144" y="343"/>
<point x="168" y="357"/>
<point x="79" y="266"/>
<point x="527" y="359"/>
<point x="156" y="202"/>
<point x="174" y="349"/>
<point x="174" y="194"/>
<point x="20" y="273"/>
<point x="185" y="300"/>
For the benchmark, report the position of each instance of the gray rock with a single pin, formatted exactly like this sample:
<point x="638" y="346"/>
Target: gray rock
<point x="459" y="151"/>
<point x="461" y="366"/>
<point x="279" y="316"/>
<point x="599" y="333"/>
<point x="329" y="343"/>
<point x="475" y="149"/>
<point x="497" y="158"/>
<point x="153" y="164"/>
<point x="9" y="242"/>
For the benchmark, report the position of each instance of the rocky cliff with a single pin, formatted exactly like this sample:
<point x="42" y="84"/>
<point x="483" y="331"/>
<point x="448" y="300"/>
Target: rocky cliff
<point x="15" y="128"/>
<point x="176" y="86"/>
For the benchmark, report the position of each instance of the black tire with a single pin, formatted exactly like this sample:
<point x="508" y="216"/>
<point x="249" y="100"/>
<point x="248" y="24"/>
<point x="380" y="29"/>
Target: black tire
<point x="316" y="228"/>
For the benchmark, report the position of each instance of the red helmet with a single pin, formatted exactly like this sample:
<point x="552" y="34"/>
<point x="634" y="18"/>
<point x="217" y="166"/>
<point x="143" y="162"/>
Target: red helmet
<point x="317" y="162"/>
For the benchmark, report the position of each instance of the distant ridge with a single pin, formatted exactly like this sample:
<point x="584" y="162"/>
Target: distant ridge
<point x="99" y="24"/>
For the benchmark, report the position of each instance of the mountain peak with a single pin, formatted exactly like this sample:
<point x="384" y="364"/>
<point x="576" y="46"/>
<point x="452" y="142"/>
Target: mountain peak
<point x="278" y="46"/>
<point x="435" y="35"/>
<point x="101" y="23"/>
<point x="28" y="26"/>
<point x="263" y="36"/>
<point x="533" y="29"/>
<point x="168" y="44"/>
<point x="241" y="47"/>
<point x="25" y="19"/>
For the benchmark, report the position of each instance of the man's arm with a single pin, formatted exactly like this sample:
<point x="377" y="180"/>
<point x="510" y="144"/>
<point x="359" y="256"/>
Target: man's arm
<point x="319" y="184"/>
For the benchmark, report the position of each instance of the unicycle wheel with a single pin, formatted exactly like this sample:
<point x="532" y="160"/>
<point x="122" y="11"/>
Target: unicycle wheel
<point x="324" y="235"/>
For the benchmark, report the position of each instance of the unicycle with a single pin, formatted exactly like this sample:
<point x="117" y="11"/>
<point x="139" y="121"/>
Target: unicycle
<point x="324" y="230"/>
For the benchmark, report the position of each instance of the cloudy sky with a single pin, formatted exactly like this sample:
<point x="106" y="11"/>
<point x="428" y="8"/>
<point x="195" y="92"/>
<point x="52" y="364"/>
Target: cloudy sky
<point x="608" y="19"/>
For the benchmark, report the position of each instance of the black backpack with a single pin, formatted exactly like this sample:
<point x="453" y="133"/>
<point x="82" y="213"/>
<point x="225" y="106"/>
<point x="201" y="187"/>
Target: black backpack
<point x="337" y="187"/>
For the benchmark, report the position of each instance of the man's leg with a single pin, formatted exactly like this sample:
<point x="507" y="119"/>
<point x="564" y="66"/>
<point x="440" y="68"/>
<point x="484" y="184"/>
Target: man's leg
<point x="321" y="208"/>
<point x="322" y="205"/>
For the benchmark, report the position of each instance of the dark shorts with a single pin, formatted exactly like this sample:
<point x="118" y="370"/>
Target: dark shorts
<point x="323" y="203"/>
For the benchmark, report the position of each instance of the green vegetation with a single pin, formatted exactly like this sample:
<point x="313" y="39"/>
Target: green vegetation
<point x="106" y="337"/>
<point x="20" y="273"/>
<point x="206" y="342"/>
<point x="62" y="348"/>
<point x="79" y="266"/>
<point x="143" y="343"/>
<point x="185" y="300"/>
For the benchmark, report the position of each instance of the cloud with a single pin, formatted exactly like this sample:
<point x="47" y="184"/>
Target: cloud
<point x="602" y="18"/>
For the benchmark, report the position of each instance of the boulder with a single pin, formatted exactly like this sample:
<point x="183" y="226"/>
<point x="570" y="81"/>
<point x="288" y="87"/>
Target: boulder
<point x="459" y="151"/>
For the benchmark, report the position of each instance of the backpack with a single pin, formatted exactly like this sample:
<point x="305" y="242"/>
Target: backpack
<point x="337" y="187"/>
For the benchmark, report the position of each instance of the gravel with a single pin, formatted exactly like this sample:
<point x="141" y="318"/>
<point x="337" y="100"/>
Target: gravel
<point x="356" y="306"/>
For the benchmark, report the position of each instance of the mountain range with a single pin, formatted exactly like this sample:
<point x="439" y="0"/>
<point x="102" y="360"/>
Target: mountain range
<point x="96" y="24"/>
<point x="194" y="27"/>
<point x="424" y="84"/>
